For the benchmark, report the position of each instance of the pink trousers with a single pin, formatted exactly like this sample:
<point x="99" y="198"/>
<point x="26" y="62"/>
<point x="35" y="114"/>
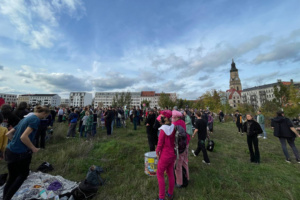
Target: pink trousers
<point x="182" y="162"/>
<point x="165" y="164"/>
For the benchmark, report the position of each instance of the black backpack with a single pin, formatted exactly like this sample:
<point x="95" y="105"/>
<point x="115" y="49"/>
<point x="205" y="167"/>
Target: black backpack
<point x="210" y="145"/>
<point x="180" y="140"/>
<point x="45" y="167"/>
<point x="84" y="191"/>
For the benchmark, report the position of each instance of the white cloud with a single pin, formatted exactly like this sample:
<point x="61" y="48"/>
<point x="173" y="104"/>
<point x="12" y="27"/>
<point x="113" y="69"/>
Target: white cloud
<point x="36" y="21"/>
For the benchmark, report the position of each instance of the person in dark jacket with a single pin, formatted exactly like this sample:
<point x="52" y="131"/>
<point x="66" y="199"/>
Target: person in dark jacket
<point x="239" y="121"/>
<point x="40" y="136"/>
<point x="221" y="116"/>
<point x="252" y="128"/>
<point x="151" y="132"/>
<point x="21" y="110"/>
<point x="285" y="131"/>
<point x="109" y="116"/>
<point x="10" y="119"/>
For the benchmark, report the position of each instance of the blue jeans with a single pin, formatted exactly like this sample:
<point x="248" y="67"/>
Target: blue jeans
<point x="263" y="128"/>
<point x="82" y="131"/>
<point x="112" y="126"/>
<point x="118" y="122"/>
<point x="94" y="131"/>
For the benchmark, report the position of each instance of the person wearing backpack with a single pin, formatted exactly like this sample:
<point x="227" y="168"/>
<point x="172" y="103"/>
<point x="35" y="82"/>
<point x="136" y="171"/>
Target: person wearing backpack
<point x="182" y="161"/>
<point x="166" y="156"/>
<point x="201" y="129"/>
<point x="285" y="131"/>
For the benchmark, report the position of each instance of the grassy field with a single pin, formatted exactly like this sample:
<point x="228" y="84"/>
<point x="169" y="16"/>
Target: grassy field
<point x="230" y="175"/>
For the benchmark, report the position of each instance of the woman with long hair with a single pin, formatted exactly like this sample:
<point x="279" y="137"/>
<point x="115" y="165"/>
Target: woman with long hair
<point x="252" y="129"/>
<point x="19" y="151"/>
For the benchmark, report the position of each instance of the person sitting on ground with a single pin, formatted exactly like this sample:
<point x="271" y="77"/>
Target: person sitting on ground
<point x="252" y="129"/>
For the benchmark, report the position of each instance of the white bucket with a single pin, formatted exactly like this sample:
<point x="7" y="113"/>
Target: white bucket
<point x="150" y="163"/>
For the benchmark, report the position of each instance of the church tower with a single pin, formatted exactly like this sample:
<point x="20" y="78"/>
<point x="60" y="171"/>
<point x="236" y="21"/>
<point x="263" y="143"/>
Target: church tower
<point x="235" y="81"/>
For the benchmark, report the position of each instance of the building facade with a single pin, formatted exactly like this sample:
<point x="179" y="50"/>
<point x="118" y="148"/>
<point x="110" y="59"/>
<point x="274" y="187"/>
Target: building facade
<point x="65" y="102"/>
<point x="257" y="96"/>
<point x="105" y="99"/>
<point x="80" y="99"/>
<point x="9" y="98"/>
<point x="45" y="99"/>
<point x="235" y="81"/>
<point x="233" y="95"/>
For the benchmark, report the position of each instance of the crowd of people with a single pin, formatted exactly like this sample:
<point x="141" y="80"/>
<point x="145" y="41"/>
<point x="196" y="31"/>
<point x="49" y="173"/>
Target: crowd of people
<point x="23" y="130"/>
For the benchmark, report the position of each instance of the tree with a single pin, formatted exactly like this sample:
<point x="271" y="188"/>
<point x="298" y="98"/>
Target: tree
<point x="119" y="100"/>
<point x="147" y="103"/>
<point x="282" y="94"/>
<point x="246" y="108"/>
<point x="165" y="101"/>
<point x="128" y="99"/>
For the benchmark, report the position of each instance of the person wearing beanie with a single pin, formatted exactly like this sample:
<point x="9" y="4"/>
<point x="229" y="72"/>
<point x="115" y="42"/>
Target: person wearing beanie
<point x="166" y="156"/>
<point x="183" y="157"/>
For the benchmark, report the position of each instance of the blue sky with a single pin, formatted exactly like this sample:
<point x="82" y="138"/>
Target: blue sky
<point x="177" y="46"/>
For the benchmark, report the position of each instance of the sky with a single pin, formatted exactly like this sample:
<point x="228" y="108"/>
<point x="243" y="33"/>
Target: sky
<point x="60" y="46"/>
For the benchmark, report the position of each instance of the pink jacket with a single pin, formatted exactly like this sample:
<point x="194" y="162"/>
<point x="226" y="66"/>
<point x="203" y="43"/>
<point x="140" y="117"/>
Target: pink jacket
<point x="182" y="123"/>
<point x="166" y="142"/>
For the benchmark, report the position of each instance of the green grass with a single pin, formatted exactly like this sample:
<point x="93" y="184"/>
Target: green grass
<point x="230" y="175"/>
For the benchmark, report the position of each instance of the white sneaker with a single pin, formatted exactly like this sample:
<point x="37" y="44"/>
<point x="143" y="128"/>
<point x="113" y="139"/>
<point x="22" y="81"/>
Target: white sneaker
<point x="193" y="152"/>
<point x="205" y="162"/>
<point x="265" y="137"/>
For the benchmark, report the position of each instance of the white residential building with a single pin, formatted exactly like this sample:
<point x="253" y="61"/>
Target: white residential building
<point x="9" y="98"/>
<point x="44" y="99"/>
<point x="106" y="98"/>
<point x="80" y="99"/>
<point x="257" y="96"/>
<point x="65" y="102"/>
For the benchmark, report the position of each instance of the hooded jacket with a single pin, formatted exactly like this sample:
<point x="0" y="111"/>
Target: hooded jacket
<point x="282" y="127"/>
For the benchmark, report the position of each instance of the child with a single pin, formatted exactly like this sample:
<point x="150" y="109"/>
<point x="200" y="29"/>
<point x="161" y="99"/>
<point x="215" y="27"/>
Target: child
<point x="3" y="138"/>
<point x="165" y="154"/>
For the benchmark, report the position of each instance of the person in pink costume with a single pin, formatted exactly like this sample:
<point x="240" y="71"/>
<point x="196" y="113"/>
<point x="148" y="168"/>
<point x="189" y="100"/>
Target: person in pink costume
<point x="183" y="157"/>
<point x="166" y="155"/>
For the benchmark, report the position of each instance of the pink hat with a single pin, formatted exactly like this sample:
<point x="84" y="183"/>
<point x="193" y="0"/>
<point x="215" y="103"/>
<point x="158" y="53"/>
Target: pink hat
<point x="158" y="118"/>
<point x="176" y="113"/>
<point x="167" y="113"/>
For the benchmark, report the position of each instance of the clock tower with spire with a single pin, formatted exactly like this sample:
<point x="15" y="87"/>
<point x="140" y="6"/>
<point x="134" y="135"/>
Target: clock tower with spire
<point x="235" y="81"/>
